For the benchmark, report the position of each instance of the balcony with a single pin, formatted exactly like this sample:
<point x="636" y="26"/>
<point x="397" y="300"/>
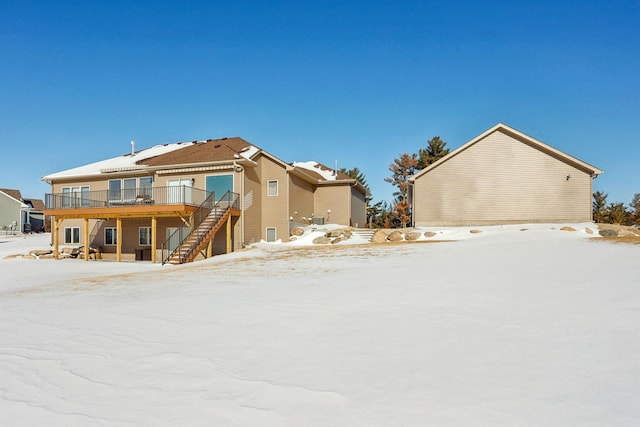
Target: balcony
<point x="129" y="201"/>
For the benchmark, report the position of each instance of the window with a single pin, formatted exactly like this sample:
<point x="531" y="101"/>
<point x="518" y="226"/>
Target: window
<point x="146" y="183"/>
<point x="74" y="197"/>
<point x="115" y="190"/>
<point x="272" y="188"/>
<point x="110" y="236"/>
<point x="271" y="234"/>
<point x="71" y="235"/>
<point x="144" y="236"/>
<point x="130" y="190"/>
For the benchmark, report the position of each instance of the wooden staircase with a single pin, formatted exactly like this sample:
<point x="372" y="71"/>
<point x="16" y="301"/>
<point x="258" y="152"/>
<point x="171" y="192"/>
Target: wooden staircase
<point x="199" y="237"/>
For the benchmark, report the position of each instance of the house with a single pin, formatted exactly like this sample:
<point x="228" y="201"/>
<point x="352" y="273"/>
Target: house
<point x="187" y="200"/>
<point x="19" y="215"/>
<point x="503" y="176"/>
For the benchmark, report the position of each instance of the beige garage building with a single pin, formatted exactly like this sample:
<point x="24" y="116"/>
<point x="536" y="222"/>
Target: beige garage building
<point x="503" y="176"/>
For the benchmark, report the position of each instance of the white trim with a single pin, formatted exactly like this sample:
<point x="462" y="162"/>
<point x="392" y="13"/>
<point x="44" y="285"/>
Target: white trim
<point x="275" y="234"/>
<point x="269" y="181"/>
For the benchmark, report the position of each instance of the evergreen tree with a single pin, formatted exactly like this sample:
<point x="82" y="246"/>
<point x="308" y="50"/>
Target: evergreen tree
<point x="635" y="205"/>
<point x="401" y="169"/>
<point x="617" y="213"/>
<point x="435" y="150"/>
<point x="356" y="174"/>
<point x="379" y="215"/>
<point x="599" y="206"/>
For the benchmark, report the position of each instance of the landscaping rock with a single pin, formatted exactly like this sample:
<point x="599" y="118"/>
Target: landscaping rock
<point x="588" y="230"/>
<point x="379" y="237"/>
<point x="412" y="235"/>
<point x="395" y="236"/>
<point x="475" y="231"/>
<point x="565" y="228"/>
<point x="334" y="233"/>
<point x="297" y="231"/>
<point x="608" y="233"/>
<point x="339" y="239"/>
<point x="322" y="240"/>
<point x="429" y="234"/>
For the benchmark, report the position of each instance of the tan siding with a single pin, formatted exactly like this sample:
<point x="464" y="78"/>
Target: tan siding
<point x="300" y="199"/>
<point x="498" y="180"/>
<point x="275" y="212"/>
<point x="336" y="198"/>
<point x="252" y="210"/>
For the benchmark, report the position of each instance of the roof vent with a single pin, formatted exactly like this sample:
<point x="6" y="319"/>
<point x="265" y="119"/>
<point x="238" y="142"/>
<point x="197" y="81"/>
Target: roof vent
<point x="133" y="147"/>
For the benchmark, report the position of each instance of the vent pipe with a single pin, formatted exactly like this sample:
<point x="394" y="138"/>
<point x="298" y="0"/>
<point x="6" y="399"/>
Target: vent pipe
<point x="133" y="147"/>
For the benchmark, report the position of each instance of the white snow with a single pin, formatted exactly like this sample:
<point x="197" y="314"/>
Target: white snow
<point x="327" y="175"/>
<point x="501" y="328"/>
<point x="124" y="162"/>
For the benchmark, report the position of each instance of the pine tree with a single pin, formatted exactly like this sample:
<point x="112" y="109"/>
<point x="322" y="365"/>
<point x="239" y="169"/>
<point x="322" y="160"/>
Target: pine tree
<point x="356" y="174"/>
<point x="617" y="213"/>
<point x="435" y="150"/>
<point x="635" y="205"/>
<point x="401" y="169"/>
<point x="599" y="206"/>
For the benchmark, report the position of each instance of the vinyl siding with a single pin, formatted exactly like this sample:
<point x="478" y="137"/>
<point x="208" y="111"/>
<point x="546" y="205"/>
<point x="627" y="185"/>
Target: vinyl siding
<point x="501" y="179"/>
<point x="336" y="198"/>
<point x="252" y="205"/>
<point x="275" y="209"/>
<point x="300" y="199"/>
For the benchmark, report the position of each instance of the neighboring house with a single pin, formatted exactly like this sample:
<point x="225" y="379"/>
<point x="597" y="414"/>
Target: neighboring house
<point x="503" y="176"/>
<point x="145" y="204"/>
<point x="20" y="215"/>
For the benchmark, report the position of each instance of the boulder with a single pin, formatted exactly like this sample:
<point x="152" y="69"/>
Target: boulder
<point x="395" y="236"/>
<point x="334" y="233"/>
<point x="608" y="233"/>
<point x="322" y="240"/>
<point x="429" y="234"/>
<point x="339" y="239"/>
<point x="412" y="235"/>
<point x="475" y="231"/>
<point x="41" y="252"/>
<point x="565" y="228"/>
<point x="379" y="237"/>
<point x="297" y="231"/>
<point x="588" y="230"/>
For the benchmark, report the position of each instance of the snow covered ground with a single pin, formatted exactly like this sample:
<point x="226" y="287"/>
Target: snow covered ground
<point x="502" y="328"/>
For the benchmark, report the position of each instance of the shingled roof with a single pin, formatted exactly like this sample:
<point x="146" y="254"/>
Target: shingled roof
<point x="211" y="150"/>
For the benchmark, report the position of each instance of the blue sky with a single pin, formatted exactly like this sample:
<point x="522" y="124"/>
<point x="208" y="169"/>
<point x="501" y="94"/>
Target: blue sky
<point x="347" y="81"/>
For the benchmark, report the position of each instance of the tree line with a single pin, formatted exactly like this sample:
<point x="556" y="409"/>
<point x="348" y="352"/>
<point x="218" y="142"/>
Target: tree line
<point x="615" y="212"/>
<point x="397" y="213"/>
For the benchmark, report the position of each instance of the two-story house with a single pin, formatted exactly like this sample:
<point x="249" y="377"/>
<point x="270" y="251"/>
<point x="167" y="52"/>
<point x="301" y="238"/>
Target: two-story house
<point x="187" y="200"/>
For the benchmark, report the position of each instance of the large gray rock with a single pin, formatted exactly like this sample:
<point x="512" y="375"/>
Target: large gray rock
<point x="608" y="232"/>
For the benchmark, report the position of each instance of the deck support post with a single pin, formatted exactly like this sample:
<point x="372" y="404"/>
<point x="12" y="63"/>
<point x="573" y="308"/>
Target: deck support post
<point x="86" y="239"/>
<point x="154" y="240"/>
<point x="119" y="239"/>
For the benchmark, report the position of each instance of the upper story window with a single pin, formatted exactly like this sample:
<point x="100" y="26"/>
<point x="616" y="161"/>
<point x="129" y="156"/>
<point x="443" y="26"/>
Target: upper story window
<point x="75" y="197"/>
<point x="127" y="189"/>
<point x="272" y="187"/>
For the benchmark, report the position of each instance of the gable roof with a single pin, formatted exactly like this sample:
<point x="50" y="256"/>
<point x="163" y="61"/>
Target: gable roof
<point x="14" y="195"/>
<point x="526" y="139"/>
<point x="322" y="175"/>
